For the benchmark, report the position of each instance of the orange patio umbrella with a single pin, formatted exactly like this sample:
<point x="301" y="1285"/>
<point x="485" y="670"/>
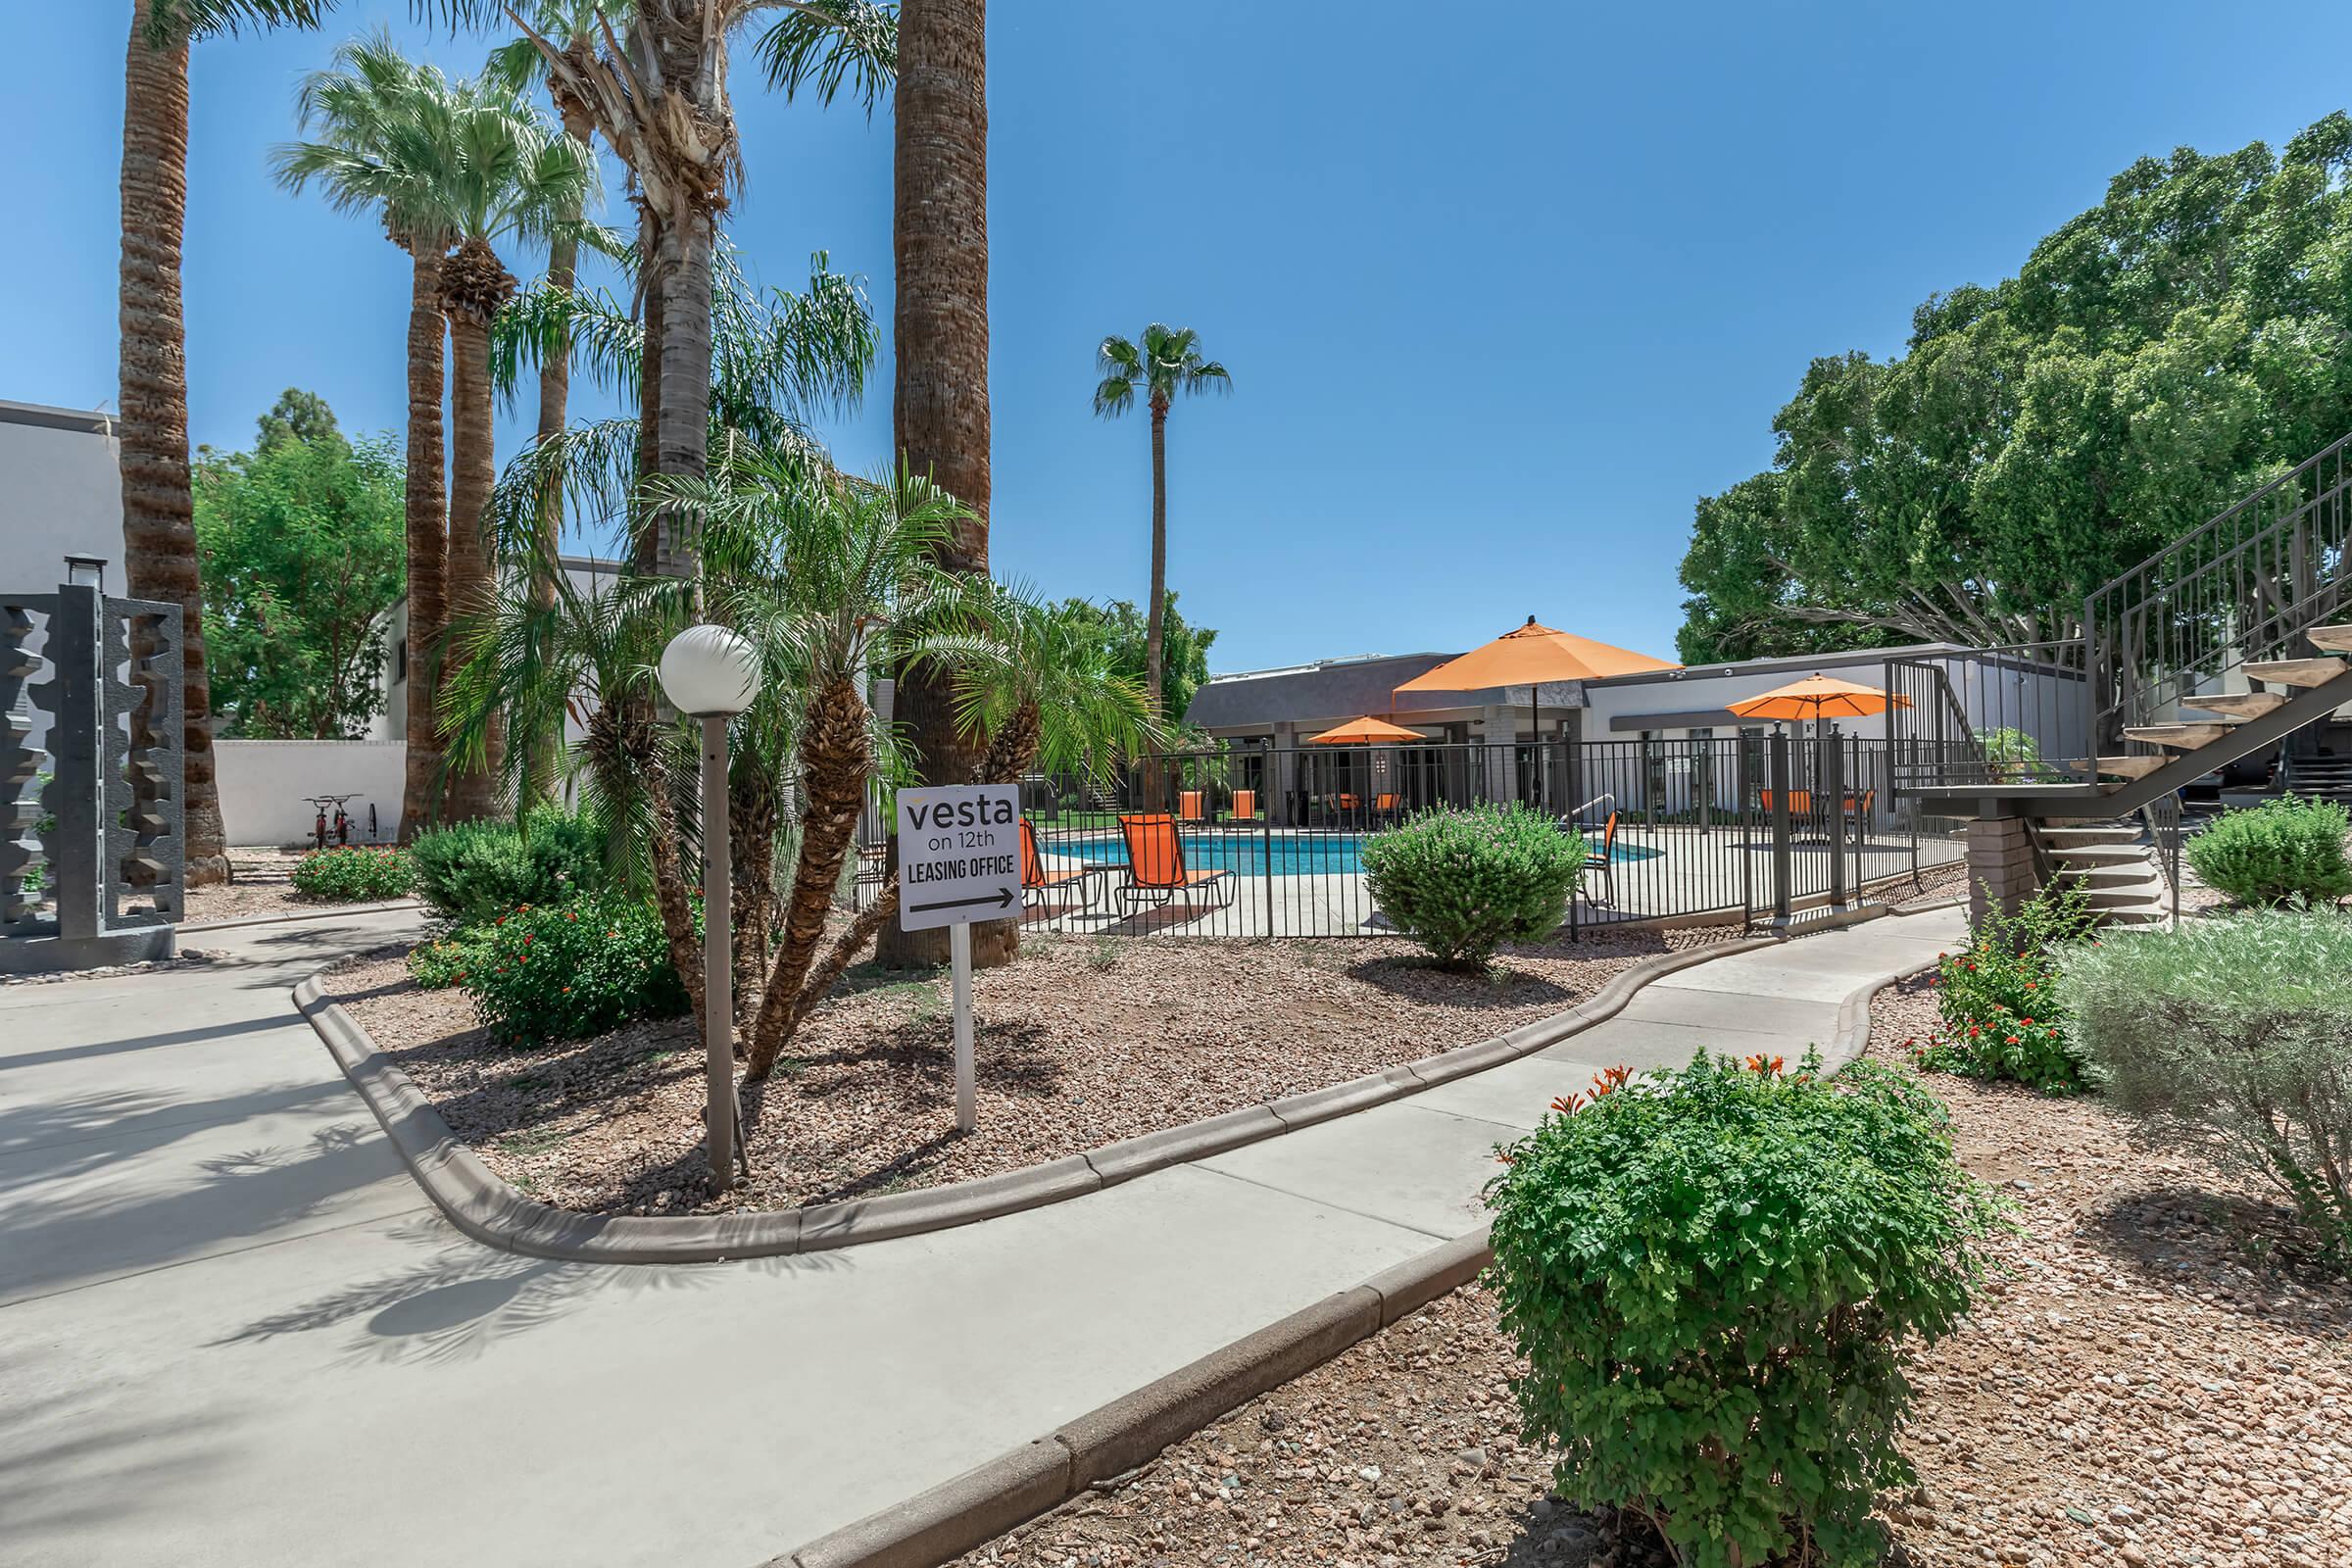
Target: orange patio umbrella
<point x="1818" y="696"/>
<point x="1366" y="731"/>
<point x="1529" y="656"/>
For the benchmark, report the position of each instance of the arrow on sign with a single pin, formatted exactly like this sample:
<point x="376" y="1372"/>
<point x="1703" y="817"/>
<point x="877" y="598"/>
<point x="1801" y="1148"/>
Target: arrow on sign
<point x="1001" y="898"/>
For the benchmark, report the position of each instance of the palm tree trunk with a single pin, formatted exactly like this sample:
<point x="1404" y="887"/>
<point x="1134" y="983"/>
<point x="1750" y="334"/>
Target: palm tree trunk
<point x="1155" y="627"/>
<point x="752" y="823"/>
<point x="644" y="537"/>
<point x="940" y="406"/>
<point x="836" y="764"/>
<point x="473" y="789"/>
<point x="158" y="531"/>
<point x="541" y="750"/>
<point x="427" y="499"/>
<point x="682" y="442"/>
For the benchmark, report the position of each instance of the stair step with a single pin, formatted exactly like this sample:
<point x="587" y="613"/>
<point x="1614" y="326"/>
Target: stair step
<point x="2103" y="879"/>
<point x="2083" y="835"/>
<point x="2186" y="737"/>
<point x="2338" y="638"/>
<point x="2132" y="853"/>
<point x="2124" y="766"/>
<point x="2296" y="671"/>
<point x="2239" y="705"/>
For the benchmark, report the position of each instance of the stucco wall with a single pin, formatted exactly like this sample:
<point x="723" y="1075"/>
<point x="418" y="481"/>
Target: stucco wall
<point x="263" y="784"/>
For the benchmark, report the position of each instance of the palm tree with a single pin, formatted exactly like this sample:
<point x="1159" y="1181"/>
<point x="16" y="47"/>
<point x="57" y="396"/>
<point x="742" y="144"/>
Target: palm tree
<point x="939" y="234"/>
<point x="831" y="578"/>
<point x="159" y="530"/>
<point x="518" y="65"/>
<point x="1038" y="688"/>
<point x="1167" y="362"/>
<point x="590" y="656"/>
<point x="365" y="164"/>
<point x="657" y="91"/>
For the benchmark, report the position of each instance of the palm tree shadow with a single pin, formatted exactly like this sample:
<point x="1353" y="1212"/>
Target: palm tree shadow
<point x="468" y="1298"/>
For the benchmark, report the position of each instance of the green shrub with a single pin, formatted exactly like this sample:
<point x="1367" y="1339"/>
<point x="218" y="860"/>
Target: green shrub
<point x="2287" y="848"/>
<point x="350" y="873"/>
<point x="1713" y="1275"/>
<point x="2242" y="1027"/>
<point x="444" y="961"/>
<point x="1464" y="882"/>
<point x="472" y="872"/>
<point x="1999" y="998"/>
<point x="563" y="971"/>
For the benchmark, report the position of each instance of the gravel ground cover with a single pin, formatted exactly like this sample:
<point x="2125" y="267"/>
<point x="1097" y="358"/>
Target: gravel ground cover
<point x="1081" y="1041"/>
<point x="261" y="889"/>
<point x="2156" y="1380"/>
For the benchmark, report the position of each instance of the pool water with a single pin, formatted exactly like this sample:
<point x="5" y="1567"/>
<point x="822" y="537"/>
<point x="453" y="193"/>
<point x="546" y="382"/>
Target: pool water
<point x="1254" y="854"/>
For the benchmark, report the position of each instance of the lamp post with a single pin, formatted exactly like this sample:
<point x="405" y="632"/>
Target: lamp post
<point x="712" y="673"/>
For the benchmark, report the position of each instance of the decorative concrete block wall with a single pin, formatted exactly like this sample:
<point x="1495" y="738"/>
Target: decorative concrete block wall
<point x="2000" y="865"/>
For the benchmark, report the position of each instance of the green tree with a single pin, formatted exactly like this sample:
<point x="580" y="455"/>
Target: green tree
<point x="1123" y="634"/>
<point x="302" y="547"/>
<point x="1166" y="362"/>
<point x="297" y="416"/>
<point x="2158" y="356"/>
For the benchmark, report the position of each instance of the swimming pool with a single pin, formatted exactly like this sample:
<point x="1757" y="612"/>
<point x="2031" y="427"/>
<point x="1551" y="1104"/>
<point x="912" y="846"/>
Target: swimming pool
<point x="1254" y="855"/>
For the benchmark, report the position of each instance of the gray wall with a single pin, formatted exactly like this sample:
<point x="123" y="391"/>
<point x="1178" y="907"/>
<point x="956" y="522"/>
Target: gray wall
<point x="60" y="493"/>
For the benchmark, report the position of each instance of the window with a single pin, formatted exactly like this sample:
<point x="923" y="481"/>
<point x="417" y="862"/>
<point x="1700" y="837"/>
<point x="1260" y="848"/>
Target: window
<point x="400" y="661"/>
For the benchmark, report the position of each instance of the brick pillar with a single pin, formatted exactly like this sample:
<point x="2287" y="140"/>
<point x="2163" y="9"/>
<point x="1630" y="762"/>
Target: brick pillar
<point x="2000" y="865"/>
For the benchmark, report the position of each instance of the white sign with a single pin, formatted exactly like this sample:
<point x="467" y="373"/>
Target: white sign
<point x="959" y="861"/>
<point x="960" y="855"/>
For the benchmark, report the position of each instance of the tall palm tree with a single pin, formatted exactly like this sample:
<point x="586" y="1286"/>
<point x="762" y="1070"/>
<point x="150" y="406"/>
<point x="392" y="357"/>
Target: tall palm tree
<point x="573" y="26"/>
<point x="159" y="530"/>
<point x="939" y="412"/>
<point x="364" y="164"/>
<point x="1038" y="688"/>
<point x="1165" y="363"/>
<point x="655" y="87"/>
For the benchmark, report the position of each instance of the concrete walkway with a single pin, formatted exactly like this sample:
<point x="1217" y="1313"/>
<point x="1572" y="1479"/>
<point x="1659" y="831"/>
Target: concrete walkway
<point x="233" y="1331"/>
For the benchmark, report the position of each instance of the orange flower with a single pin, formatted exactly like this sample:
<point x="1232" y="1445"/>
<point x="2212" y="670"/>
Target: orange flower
<point x="1763" y="1065"/>
<point x="1568" y="1104"/>
<point x="1611" y="1079"/>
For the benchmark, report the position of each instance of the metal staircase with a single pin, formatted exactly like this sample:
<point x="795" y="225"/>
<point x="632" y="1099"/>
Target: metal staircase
<point x="2223" y="644"/>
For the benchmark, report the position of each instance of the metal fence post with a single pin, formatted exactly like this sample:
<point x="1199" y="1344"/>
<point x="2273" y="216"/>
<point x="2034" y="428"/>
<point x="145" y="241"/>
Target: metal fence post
<point x="1834" y="787"/>
<point x="1745" y="785"/>
<point x="1265" y="816"/>
<point x="1783" y="862"/>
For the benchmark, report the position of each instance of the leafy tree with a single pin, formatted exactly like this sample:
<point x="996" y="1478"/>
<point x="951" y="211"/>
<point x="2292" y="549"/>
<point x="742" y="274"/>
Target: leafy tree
<point x="1124" y="636"/>
<point x="2156" y="357"/>
<point x="297" y="416"/>
<point x="302" y="547"/>
<point x="1166" y="362"/>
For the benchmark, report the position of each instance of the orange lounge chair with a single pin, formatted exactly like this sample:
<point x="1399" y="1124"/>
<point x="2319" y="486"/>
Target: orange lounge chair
<point x="1244" y="805"/>
<point x="1037" y="882"/>
<point x="1385" y="806"/>
<point x="1156" y="871"/>
<point x="1599" y="863"/>
<point x="1188" y="805"/>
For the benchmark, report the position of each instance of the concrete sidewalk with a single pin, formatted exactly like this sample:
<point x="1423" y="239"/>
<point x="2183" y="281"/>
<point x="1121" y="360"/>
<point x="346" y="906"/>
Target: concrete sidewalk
<point x="233" y="1331"/>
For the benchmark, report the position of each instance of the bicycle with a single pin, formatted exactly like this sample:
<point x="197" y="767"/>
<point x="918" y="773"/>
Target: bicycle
<point x="342" y="820"/>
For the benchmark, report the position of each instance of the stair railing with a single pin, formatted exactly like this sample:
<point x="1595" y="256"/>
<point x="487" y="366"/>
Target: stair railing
<point x="2243" y="586"/>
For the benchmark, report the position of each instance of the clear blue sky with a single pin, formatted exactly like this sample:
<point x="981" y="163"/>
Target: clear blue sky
<point x="1503" y="289"/>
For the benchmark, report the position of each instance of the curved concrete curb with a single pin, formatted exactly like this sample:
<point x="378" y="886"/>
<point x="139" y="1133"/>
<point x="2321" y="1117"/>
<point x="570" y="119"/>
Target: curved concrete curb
<point x="951" y="1518"/>
<point x="327" y="913"/>
<point x="485" y="1208"/>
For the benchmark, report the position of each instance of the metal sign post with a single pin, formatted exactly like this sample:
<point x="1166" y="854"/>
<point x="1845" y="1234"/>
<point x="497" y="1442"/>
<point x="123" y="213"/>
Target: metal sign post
<point x="959" y="861"/>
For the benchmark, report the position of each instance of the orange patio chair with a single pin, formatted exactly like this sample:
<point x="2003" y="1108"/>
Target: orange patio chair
<point x="1188" y="805"/>
<point x="1155" y="871"/>
<point x="1599" y="863"/>
<point x="1244" y="805"/>
<point x="1036" y="883"/>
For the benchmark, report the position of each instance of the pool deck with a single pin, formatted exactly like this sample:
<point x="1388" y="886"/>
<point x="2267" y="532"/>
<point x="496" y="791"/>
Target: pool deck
<point x="1688" y="869"/>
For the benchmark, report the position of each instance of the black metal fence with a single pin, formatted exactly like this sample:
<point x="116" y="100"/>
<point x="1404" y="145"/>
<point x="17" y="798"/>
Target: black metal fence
<point x="1257" y="841"/>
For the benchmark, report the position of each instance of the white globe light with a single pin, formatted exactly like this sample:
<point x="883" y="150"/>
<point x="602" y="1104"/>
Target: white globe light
<point x="709" y="672"/>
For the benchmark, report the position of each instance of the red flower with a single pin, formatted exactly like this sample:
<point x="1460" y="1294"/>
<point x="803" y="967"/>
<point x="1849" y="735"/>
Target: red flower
<point x="1568" y="1104"/>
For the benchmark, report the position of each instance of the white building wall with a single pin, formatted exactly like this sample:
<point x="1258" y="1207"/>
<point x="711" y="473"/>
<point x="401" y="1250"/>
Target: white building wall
<point x="262" y="785"/>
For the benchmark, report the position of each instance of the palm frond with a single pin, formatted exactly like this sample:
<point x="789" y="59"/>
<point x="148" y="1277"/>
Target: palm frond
<point x="825" y="45"/>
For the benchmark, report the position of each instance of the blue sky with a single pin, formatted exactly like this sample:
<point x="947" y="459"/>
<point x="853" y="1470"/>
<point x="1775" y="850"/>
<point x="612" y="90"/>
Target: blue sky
<point x="1500" y="304"/>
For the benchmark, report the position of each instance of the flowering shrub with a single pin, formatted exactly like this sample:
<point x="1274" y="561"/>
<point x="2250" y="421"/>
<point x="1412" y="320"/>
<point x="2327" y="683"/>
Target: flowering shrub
<point x="2233" y="1038"/>
<point x="348" y="873"/>
<point x="1464" y="882"/>
<point x="444" y="961"/>
<point x="1713" y="1274"/>
<point x="2288" y="848"/>
<point x="544" y="971"/>
<point x="1999" y="1000"/>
